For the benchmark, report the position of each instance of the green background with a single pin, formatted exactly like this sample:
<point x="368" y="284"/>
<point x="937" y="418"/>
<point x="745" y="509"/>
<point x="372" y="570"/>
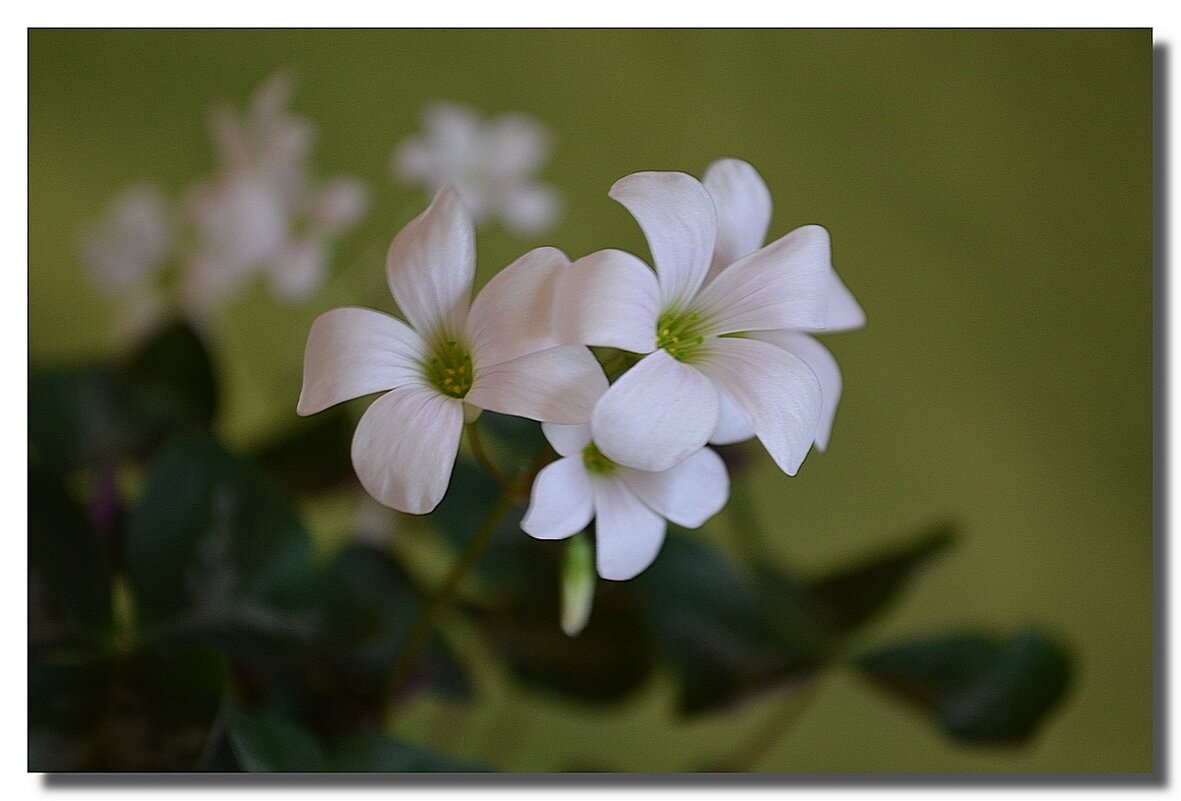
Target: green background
<point x="989" y="196"/>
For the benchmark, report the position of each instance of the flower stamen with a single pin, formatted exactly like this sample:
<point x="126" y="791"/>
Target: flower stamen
<point x="450" y="369"/>
<point x="680" y="334"/>
<point x="595" y="461"/>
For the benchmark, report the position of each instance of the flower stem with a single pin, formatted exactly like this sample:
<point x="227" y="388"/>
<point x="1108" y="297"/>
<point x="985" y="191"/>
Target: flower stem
<point x="421" y="632"/>
<point x="482" y="458"/>
<point x="783" y="717"/>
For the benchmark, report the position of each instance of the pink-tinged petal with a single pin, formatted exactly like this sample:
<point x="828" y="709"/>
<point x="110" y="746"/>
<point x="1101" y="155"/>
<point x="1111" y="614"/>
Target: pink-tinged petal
<point x="744" y="211"/>
<point x="656" y="414"/>
<point x="513" y="314"/>
<point x="431" y="264"/>
<point x="352" y="352"/>
<point x="822" y="364"/>
<point x="560" y="503"/>
<point x="531" y="209"/>
<point x="688" y="494"/>
<point x="567" y="440"/>
<point x="610" y="299"/>
<point x="557" y="385"/>
<point x="844" y="312"/>
<point x="678" y="218"/>
<point x="776" y="391"/>
<point x="732" y="426"/>
<point x="783" y="285"/>
<point x="628" y="534"/>
<point x="405" y="446"/>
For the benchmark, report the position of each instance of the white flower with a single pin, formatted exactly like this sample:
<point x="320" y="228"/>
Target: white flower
<point x="491" y="163"/>
<point x="263" y="213"/>
<point x="498" y="352"/>
<point x="128" y="245"/>
<point x="685" y="317"/>
<point x="743" y="203"/>
<point x="629" y="506"/>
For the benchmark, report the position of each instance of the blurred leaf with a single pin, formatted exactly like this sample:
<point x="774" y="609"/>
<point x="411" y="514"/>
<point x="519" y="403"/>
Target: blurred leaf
<point x="78" y="416"/>
<point x="69" y="571"/>
<point x="172" y="377"/>
<point x="150" y="711"/>
<point x="267" y="742"/>
<point x="854" y="596"/>
<point x="609" y="660"/>
<point x="93" y="414"/>
<point x="373" y="606"/>
<point x="520" y="440"/>
<point x="712" y="627"/>
<point x="314" y="454"/>
<point x="377" y="753"/>
<point x="211" y="548"/>
<point x="979" y="689"/>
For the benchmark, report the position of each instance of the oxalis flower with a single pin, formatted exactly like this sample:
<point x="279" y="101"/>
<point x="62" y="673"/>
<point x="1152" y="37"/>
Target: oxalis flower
<point x="629" y="506"/>
<point x="454" y="358"/>
<point x="697" y="317"/>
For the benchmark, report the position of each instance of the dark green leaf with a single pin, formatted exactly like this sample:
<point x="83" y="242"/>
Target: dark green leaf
<point x="711" y="625"/>
<point x="212" y="548"/>
<point x="313" y="454"/>
<point x="69" y="570"/>
<point x="79" y="416"/>
<point x="519" y="440"/>
<point x="854" y="596"/>
<point x="377" y="753"/>
<point x="979" y="689"/>
<point x="267" y="742"/>
<point x="172" y="379"/>
<point x="150" y="711"/>
<point x="609" y="660"/>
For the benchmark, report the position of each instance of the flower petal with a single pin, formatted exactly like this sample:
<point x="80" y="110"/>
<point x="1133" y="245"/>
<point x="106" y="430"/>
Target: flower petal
<point x="557" y="385"/>
<point x="431" y="264"/>
<point x="611" y="299"/>
<point x="567" y="440"/>
<point x="744" y="211"/>
<point x="822" y="364"/>
<point x="776" y="391"/>
<point x="732" y="426"/>
<point x="352" y="352"/>
<point x="628" y="534"/>
<point x="531" y="209"/>
<point x="678" y="218"/>
<point x="298" y="269"/>
<point x="560" y="503"/>
<point x="844" y="312"/>
<point x="405" y="446"/>
<point x="783" y="285"/>
<point x="656" y="414"/>
<point x="513" y="314"/>
<point x="688" y="494"/>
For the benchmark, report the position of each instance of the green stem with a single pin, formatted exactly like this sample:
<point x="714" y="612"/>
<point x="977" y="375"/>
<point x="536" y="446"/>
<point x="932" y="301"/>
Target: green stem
<point x="482" y="458"/>
<point x="759" y="743"/>
<point x="421" y="632"/>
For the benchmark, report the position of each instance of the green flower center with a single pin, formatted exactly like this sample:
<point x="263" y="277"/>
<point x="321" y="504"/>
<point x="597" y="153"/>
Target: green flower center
<point x="680" y="334"/>
<point x="595" y="461"/>
<point x="449" y="370"/>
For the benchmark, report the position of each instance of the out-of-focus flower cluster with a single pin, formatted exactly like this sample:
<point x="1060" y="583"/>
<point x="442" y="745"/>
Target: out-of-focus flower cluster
<point x="713" y="346"/>
<point x="261" y="213"/>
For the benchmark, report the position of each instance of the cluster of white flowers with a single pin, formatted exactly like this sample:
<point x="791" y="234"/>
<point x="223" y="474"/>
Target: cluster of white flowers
<point x="719" y="337"/>
<point x="261" y="213"/>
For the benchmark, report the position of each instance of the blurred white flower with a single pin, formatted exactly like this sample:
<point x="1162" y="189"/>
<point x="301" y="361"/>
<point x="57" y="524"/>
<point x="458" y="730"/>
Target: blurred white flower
<point x="263" y="212"/>
<point x="455" y="358"/>
<point x="129" y="244"/>
<point x="491" y="162"/>
<point x="629" y="506"/>
<point x="686" y="316"/>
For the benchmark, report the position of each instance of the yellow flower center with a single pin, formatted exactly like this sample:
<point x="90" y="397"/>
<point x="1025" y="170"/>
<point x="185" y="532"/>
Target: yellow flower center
<point x="679" y="334"/>
<point x="595" y="461"/>
<point x="449" y="370"/>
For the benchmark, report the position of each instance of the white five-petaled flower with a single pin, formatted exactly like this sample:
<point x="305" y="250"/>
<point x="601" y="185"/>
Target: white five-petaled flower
<point x="694" y="318"/>
<point x="491" y="162"/>
<point x="497" y="352"/>
<point x="629" y="506"/>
